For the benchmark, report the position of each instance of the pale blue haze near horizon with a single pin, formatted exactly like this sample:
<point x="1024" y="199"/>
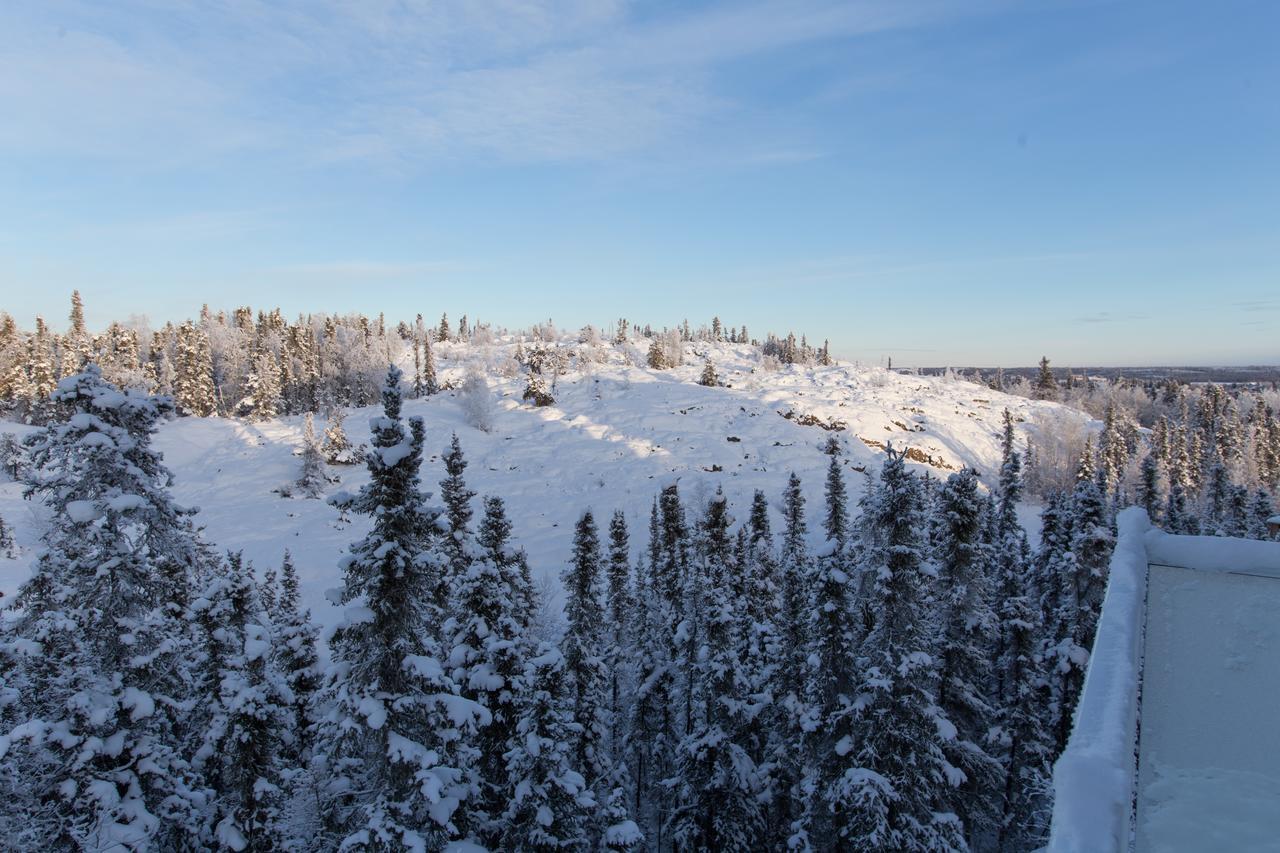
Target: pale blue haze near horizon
<point x="970" y="183"/>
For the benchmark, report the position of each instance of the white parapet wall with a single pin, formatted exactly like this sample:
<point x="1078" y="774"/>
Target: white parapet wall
<point x="1093" y="780"/>
<point x="1096" y="778"/>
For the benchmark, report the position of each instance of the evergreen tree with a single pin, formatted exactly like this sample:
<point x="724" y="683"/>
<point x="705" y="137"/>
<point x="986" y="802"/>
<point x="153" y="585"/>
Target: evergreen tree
<point x="788" y="684"/>
<point x="101" y="635"/>
<point x="1261" y="510"/>
<point x="1046" y="387"/>
<point x="262" y="388"/>
<point x="8" y="546"/>
<point x="298" y="662"/>
<point x="1148" y="496"/>
<point x="389" y="744"/>
<point x="312" y="478"/>
<point x="584" y="653"/>
<point x="651" y="742"/>
<point x="837" y="518"/>
<point x="1083" y="585"/>
<point x="193" y="387"/>
<point x="759" y="642"/>
<point x="657" y="358"/>
<point x="337" y="448"/>
<point x="897" y="786"/>
<point x="1217" y="493"/>
<point x="620" y="605"/>
<point x="430" y="383"/>
<point x="1021" y="735"/>
<point x="242" y="751"/>
<point x="967" y="630"/>
<point x="715" y="782"/>
<point x="486" y="660"/>
<point x="457" y="502"/>
<point x="832" y="674"/>
<point x="709" y="377"/>
<point x="535" y="391"/>
<point x="550" y="801"/>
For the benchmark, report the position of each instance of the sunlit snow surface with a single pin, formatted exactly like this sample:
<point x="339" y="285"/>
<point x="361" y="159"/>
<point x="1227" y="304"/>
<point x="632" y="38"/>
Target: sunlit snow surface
<point x="1208" y="777"/>
<point x="617" y="434"/>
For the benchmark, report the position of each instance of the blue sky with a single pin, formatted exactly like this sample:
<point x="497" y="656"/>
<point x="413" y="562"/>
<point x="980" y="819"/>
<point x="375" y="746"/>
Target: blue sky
<point x="947" y="183"/>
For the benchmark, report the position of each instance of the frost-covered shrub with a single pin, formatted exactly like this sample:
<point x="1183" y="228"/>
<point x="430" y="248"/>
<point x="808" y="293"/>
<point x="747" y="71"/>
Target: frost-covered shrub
<point x="12" y="456"/>
<point x="477" y="401"/>
<point x="1057" y="446"/>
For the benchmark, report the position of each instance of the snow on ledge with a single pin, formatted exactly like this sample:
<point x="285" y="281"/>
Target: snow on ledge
<point x="1214" y="553"/>
<point x="1093" y="780"/>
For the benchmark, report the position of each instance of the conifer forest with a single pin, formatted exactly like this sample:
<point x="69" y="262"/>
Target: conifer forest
<point x="879" y="647"/>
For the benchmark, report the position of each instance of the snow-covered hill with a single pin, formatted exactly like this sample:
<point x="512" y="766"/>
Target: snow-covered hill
<point x="617" y="433"/>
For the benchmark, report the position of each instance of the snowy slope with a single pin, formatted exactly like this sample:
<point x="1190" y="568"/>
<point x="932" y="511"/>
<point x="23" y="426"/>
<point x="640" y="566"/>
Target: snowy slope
<point x="617" y="434"/>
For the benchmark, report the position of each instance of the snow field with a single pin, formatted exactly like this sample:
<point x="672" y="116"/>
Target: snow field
<point x="617" y="434"/>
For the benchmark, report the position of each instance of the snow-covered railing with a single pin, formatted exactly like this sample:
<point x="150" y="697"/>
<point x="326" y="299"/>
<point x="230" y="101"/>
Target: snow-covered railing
<point x="1213" y="553"/>
<point x="1093" y="780"/>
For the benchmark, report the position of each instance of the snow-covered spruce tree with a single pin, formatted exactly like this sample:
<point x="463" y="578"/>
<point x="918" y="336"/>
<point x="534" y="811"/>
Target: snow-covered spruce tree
<point x="897" y="788"/>
<point x="337" y="448"/>
<point x="709" y="378"/>
<point x="241" y="757"/>
<point x="662" y="699"/>
<point x="312" y="478"/>
<point x="584" y="653"/>
<point x="388" y="744"/>
<point x="1021" y="736"/>
<point x="262" y="388"/>
<point x="831" y="672"/>
<point x="1148" y="496"/>
<point x="1177" y="516"/>
<point x="1020" y="729"/>
<point x="787" y="753"/>
<point x="457" y="544"/>
<point x="430" y="383"/>
<point x="1053" y="573"/>
<point x="551" y="804"/>
<point x="759" y="645"/>
<point x="715" y="780"/>
<point x="657" y="357"/>
<point x="1046" y="387"/>
<point x="12" y="456"/>
<point x="102" y="650"/>
<point x="1217" y="490"/>
<point x="42" y="375"/>
<point x="1084" y="579"/>
<point x="535" y="391"/>
<point x="651" y="734"/>
<point x="193" y="387"/>
<point x="298" y="662"/>
<point x="967" y="629"/>
<point x="621" y="833"/>
<point x="8" y="545"/>
<point x="486" y="661"/>
<point x="494" y="538"/>
<point x="1261" y="509"/>
<point x="620" y="605"/>
<point x="1237" y="516"/>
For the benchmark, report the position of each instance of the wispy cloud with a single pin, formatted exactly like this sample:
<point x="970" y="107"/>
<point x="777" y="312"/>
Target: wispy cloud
<point x="1110" y="317"/>
<point x="391" y="82"/>
<point x="362" y="270"/>
<point x="1252" y="305"/>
